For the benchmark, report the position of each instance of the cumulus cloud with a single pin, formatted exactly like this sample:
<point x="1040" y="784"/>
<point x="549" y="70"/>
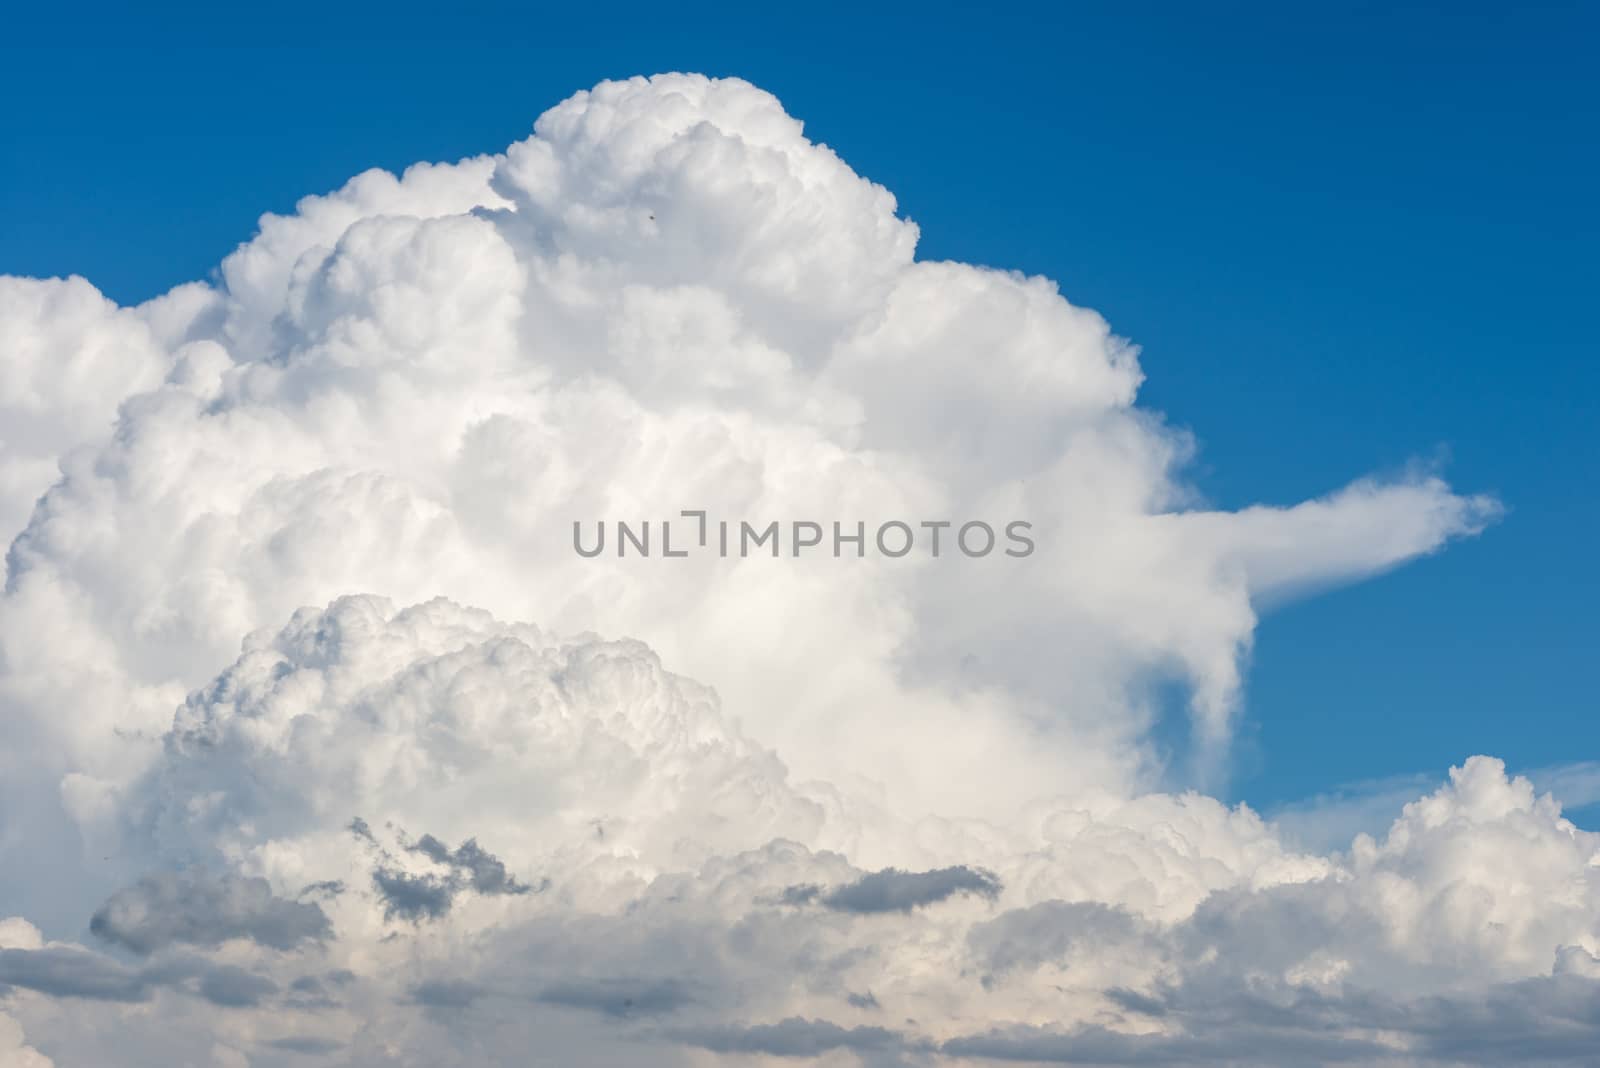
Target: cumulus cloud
<point x="290" y="580"/>
<point x="71" y="357"/>
<point x="668" y="298"/>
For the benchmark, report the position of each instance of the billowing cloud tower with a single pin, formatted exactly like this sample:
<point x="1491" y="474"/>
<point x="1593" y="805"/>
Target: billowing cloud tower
<point x="322" y="744"/>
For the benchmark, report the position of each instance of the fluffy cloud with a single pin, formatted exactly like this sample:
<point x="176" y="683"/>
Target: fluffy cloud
<point x="71" y="357"/>
<point x="14" y="1051"/>
<point x="655" y="810"/>
<point x="646" y="873"/>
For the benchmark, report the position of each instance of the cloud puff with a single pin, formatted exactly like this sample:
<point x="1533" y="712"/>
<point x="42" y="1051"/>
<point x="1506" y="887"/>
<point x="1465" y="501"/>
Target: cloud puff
<point x="441" y="716"/>
<point x="394" y="402"/>
<point x="14" y="1050"/>
<point x="71" y="357"/>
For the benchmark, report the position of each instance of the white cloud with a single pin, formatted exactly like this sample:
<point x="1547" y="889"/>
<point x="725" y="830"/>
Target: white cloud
<point x="14" y="1051"/>
<point x="71" y="356"/>
<point x="859" y="810"/>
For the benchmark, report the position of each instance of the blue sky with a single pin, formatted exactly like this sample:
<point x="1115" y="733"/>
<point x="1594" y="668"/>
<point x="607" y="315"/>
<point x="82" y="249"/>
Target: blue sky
<point x="1346" y="238"/>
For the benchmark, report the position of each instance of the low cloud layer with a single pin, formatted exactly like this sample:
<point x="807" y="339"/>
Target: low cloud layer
<point x="195" y="909"/>
<point x="897" y="891"/>
<point x="320" y="744"/>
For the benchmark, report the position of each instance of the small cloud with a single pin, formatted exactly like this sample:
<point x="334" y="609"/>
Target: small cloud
<point x="485" y="871"/>
<point x="413" y="897"/>
<point x="234" y="987"/>
<point x="428" y="897"/>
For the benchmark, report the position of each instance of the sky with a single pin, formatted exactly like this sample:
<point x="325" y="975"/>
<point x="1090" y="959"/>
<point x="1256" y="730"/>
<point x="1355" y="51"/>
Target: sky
<point x="1345" y="238"/>
<point x="316" y="737"/>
